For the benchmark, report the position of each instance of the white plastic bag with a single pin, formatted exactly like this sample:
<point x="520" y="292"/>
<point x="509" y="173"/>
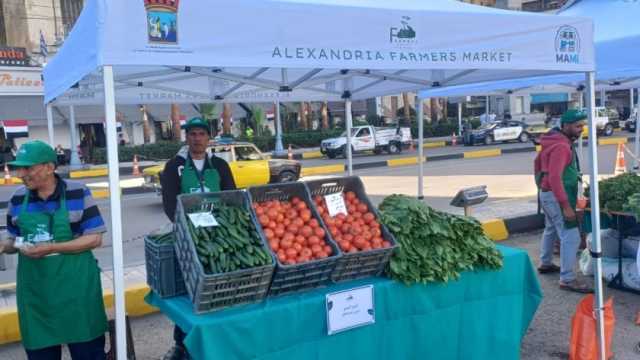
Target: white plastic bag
<point x="586" y="263"/>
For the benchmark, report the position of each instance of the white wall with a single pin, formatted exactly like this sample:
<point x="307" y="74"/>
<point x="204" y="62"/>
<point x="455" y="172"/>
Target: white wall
<point x="60" y="132"/>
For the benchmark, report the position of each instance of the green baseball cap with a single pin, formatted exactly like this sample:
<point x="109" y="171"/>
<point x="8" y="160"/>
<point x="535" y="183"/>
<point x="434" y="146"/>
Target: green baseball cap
<point x="34" y="152"/>
<point x="572" y="115"/>
<point x="195" y="122"/>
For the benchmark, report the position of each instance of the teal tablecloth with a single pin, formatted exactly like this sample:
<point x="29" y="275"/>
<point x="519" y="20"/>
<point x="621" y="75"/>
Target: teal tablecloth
<point x="484" y="315"/>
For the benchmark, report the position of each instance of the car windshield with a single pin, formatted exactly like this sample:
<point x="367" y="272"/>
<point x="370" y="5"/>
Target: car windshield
<point x="223" y="152"/>
<point x="353" y="133"/>
<point x="247" y="153"/>
<point x="487" y="126"/>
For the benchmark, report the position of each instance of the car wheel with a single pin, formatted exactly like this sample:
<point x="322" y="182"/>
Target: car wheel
<point x="488" y="140"/>
<point x="393" y="148"/>
<point x="331" y="154"/>
<point x="524" y="137"/>
<point x="377" y="151"/>
<point x="608" y="130"/>
<point x="343" y="150"/>
<point x="287" y="176"/>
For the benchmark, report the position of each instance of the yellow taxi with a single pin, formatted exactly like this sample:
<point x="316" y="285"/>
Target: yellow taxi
<point x="248" y="165"/>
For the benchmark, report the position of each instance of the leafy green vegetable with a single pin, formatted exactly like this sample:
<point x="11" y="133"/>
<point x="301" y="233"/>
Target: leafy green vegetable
<point x="633" y="205"/>
<point x="615" y="191"/>
<point x="434" y="246"/>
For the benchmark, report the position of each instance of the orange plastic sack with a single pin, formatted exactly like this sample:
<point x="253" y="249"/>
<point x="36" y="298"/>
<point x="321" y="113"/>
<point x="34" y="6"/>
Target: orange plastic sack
<point x="584" y="330"/>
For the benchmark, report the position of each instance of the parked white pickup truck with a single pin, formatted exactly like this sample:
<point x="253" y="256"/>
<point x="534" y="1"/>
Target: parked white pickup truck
<point x="368" y="138"/>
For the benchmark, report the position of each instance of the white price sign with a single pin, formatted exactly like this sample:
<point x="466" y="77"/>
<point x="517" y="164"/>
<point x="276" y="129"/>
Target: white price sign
<point x="350" y="309"/>
<point x="335" y="204"/>
<point x="203" y="219"/>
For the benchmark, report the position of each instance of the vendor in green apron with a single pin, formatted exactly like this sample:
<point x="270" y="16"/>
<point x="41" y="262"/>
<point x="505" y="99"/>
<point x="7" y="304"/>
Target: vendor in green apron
<point x="192" y="170"/>
<point x="557" y="174"/>
<point x="53" y="225"/>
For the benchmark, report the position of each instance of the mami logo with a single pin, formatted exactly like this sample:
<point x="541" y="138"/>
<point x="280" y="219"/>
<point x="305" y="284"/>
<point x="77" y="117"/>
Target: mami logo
<point x="567" y="45"/>
<point x="162" y="21"/>
<point x="404" y="34"/>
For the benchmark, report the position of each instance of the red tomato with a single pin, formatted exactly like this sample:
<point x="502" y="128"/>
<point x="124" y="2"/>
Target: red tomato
<point x="275" y="245"/>
<point x="362" y="208"/>
<point x="272" y="213"/>
<point x="319" y="232"/>
<point x="259" y="209"/>
<point x="316" y="248"/>
<point x="291" y="252"/>
<point x="264" y="220"/>
<point x="345" y="228"/>
<point x="291" y="261"/>
<point x="306" y="231"/>
<point x="368" y="217"/>
<point x="297" y="246"/>
<point x="314" y="240"/>
<point x="289" y="237"/>
<point x="282" y="256"/>
<point x="386" y="244"/>
<point x="348" y="237"/>
<point x="345" y="245"/>
<point x="306" y="252"/>
<point x="301" y="206"/>
<point x="350" y="195"/>
<point x="272" y="225"/>
<point x="300" y="240"/>
<point x="295" y="200"/>
<point x="317" y="199"/>
<point x="305" y="215"/>
<point x="366" y="247"/>
<point x="292" y="213"/>
<point x="333" y="230"/>
<point x="321" y="211"/>
<point x="359" y="242"/>
<point x="328" y="249"/>
<point x="269" y="234"/>
<point x="298" y="222"/>
<point x="293" y="229"/>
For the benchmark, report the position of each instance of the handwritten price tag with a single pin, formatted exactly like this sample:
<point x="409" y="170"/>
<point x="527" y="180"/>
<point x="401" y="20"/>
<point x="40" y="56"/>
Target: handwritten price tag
<point x="203" y="219"/>
<point x="335" y="204"/>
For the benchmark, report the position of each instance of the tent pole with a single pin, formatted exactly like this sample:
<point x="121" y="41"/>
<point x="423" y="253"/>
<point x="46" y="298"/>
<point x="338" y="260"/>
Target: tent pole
<point x="74" y="162"/>
<point x="349" y="120"/>
<point x="637" y="132"/>
<point x="279" y="147"/>
<point x="460" y="119"/>
<point x="595" y="212"/>
<point x="580" y="141"/>
<point x="116" y="213"/>
<point x="50" y="124"/>
<point x="421" y="148"/>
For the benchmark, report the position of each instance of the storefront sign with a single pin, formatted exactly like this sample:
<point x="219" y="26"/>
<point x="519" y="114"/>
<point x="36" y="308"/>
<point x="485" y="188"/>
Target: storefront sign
<point x="349" y="309"/>
<point x="25" y="81"/>
<point x="13" y="56"/>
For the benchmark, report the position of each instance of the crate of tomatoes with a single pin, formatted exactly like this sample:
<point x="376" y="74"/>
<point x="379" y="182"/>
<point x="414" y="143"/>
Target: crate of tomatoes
<point x="305" y="253"/>
<point x="366" y="244"/>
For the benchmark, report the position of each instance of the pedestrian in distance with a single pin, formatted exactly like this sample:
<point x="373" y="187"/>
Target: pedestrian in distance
<point x="557" y="175"/>
<point x="53" y="225"/>
<point x="192" y="170"/>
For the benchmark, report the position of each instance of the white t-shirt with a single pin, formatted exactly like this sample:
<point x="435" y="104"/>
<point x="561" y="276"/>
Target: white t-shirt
<point x="199" y="164"/>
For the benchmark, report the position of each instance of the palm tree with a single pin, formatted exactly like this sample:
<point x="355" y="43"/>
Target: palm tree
<point x="407" y="109"/>
<point x="325" y="115"/>
<point x="175" y="121"/>
<point x="146" y="129"/>
<point x="226" y="119"/>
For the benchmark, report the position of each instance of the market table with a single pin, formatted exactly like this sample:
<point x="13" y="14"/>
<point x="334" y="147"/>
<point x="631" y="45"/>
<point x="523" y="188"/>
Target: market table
<point x="483" y="315"/>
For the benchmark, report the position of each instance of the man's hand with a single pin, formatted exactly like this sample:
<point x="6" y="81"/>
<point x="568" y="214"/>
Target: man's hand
<point x="38" y="251"/>
<point x="568" y="213"/>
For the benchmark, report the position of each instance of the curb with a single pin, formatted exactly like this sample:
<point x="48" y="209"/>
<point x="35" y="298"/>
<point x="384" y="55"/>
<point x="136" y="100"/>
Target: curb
<point x="495" y="229"/>
<point x="134" y="304"/>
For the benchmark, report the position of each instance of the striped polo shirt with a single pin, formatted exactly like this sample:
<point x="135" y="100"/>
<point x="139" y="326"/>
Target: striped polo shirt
<point x="84" y="214"/>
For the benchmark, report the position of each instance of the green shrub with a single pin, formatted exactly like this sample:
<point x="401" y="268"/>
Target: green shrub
<point x="159" y="151"/>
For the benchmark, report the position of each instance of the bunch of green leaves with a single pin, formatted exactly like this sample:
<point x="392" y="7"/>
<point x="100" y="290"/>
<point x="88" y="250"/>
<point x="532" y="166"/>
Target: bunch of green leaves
<point x="434" y="246"/>
<point x="615" y="191"/>
<point x="633" y="205"/>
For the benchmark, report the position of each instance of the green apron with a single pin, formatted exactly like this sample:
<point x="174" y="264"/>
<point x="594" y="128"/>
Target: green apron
<point x="194" y="181"/>
<point x="59" y="296"/>
<point x="571" y="177"/>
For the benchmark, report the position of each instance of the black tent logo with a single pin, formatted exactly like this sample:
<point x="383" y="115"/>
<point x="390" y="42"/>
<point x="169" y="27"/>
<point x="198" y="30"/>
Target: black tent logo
<point x="404" y="34"/>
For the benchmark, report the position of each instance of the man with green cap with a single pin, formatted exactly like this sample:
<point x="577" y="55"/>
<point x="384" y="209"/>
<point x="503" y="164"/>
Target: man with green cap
<point x="54" y="224"/>
<point x="192" y="170"/>
<point x="557" y="174"/>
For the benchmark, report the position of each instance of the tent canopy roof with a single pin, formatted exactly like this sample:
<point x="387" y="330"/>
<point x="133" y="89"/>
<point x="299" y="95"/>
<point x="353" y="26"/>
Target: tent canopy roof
<point x="292" y="50"/>
<point x="617" y="44"/>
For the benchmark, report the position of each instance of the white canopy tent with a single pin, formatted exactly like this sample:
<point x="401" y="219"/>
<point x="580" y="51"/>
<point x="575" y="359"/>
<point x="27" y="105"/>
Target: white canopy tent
<point x="304" y="50"/>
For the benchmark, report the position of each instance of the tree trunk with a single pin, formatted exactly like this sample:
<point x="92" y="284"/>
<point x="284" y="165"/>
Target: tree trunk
<point x="445" y="110"/>
<point x="434" y="109"/>
<point x="226" y="119"/>
<point x="175" y="121"/>
<point x="303" y="116"/>
<point x="407" y="108"/>
<point x="146" y="133"/>
<point x="325" y="115"/>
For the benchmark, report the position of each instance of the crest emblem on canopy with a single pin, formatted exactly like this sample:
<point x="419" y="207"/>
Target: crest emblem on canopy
<point x="162" y="21"/>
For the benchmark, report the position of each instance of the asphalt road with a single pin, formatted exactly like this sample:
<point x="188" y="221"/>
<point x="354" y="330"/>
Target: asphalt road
<point x="546" y="339"/>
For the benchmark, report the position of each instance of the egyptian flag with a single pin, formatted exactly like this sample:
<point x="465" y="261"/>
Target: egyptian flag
<point x="15" y="128"/>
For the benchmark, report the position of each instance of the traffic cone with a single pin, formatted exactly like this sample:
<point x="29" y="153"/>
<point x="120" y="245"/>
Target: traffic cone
<point x="7" y="175"/>
<point x="621" y="166"/>
<point x="136" y="167"/>
<point x="290" y="153"/>
<point x="454" y="139"/>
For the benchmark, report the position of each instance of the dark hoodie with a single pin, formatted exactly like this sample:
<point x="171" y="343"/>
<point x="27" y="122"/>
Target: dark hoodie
<point x="171" y="175"/>
<point x="553" y="158"/>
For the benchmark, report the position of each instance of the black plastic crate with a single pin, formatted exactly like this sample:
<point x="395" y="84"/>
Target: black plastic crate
<point x="299" y="277"/>
<point x="359" y="264"/>
<point x="210" y="292"/>
<point x="163" y="271"/>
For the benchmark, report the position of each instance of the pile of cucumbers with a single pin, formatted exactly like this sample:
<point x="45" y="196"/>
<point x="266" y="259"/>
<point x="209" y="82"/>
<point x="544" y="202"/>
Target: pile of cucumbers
<point x="232" y="245"/>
